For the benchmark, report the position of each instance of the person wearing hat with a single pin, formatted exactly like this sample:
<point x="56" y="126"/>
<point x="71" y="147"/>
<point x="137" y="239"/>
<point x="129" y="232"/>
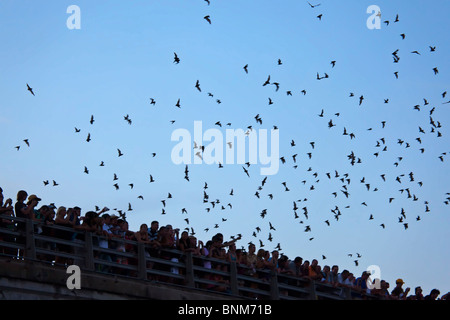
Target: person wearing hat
<point x="33" y="201"/>
<point x="37" y="214"/>
<point x="33" y="197"/>
<point x="398" y="293"/>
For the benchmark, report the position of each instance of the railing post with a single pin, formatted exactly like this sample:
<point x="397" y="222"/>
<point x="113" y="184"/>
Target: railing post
<point x="30" y="249"/>
<point x="189" y="270"/>
<point x="274" y="291"/>
<point x="142" y="261"/>
<point x="233" y="279"/>
<point x="312" y="290"/>
<point x="89" y="251"/>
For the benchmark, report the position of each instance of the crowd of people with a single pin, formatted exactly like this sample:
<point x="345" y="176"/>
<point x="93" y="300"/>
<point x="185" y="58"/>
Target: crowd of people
<point x="157" y="239"/>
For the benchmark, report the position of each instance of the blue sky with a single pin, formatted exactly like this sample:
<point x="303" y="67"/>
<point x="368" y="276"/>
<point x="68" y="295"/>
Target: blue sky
<point x="123" y="55"/>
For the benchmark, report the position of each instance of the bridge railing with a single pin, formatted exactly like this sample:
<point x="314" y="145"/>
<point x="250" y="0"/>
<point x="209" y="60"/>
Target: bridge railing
<point x="62" y="246"/>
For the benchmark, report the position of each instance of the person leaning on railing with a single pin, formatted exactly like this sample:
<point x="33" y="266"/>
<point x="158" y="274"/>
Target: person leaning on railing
<point x="23" y="210"/>
<point x="284" y="270"/>
<point x="142" y="236"/>
<point x="314" y="272"/>
<point x="123" y="246"/>
<point x="168" y="239"/>
<point x="184" y="243"/>
<point x="383" y="291"/>
<point x="263" y="264"/>
<point x="89" y="222"/>
<point x="63" y="219"/>
<point x="6" y="209"/>
<point x="154" y="245"/>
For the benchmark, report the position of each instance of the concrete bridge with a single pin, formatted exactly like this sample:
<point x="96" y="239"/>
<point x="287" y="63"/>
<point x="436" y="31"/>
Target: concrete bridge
<point x="28" y="270"/>
<point x="28" y="280"/>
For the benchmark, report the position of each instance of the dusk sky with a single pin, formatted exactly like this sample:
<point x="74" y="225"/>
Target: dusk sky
<point x="386" y="90"/>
